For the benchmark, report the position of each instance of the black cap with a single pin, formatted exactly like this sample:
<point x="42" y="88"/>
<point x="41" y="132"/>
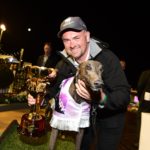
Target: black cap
<point x="72" y="23"/>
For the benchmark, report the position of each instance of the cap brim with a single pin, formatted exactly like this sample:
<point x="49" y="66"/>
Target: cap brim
<point x="59" y="34"/>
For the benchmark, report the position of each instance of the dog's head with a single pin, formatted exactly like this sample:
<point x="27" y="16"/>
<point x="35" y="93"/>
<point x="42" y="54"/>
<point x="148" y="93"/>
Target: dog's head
<point x="91" y="73"/>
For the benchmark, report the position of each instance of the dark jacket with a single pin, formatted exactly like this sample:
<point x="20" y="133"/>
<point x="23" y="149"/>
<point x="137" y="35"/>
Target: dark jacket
<point x="142" y="83"/>
<point x="142" y="87"/>
<point x="116" y="85"/>
<point x="51" y="61"/>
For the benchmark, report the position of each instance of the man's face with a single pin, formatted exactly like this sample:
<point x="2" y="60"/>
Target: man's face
<point x="76" y="43"/>
<point x="47" y="49"/>
<point x="123" y="64"/>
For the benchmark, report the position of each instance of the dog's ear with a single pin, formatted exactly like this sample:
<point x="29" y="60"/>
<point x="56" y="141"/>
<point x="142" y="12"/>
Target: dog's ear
<point x="77" y="73"/>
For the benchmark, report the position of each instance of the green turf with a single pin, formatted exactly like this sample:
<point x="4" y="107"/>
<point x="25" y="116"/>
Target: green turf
<point x="11" y="140"/>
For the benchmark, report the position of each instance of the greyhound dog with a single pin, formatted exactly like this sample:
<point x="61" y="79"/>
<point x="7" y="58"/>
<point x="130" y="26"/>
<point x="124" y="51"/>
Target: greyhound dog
<point x="72" y="112"/>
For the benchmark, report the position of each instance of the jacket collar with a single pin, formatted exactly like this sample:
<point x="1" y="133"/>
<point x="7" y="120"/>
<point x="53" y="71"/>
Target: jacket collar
<point x="94" y="50"/>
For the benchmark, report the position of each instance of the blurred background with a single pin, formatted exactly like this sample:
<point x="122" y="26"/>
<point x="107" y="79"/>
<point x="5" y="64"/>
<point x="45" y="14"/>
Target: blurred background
<point x="124" y="25"/>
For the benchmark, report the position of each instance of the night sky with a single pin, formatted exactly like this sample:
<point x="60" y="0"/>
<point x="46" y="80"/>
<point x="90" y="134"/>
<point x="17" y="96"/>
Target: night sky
<point x="124" y="25"/>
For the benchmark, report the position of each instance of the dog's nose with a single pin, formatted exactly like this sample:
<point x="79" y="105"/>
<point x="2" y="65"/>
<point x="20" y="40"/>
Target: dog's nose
<point x="98" y="84"/>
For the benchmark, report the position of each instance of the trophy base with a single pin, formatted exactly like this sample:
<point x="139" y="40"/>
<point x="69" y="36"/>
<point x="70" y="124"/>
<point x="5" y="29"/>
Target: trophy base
<point x="32" y="125"/>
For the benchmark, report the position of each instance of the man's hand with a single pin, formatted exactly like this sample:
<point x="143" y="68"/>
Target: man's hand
<point x="82" y="91"/>
<point x="53" y="73"/>
<point x="31" y="100"/>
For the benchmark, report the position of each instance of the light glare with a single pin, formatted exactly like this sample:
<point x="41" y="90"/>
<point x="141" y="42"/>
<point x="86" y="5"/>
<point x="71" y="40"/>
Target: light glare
<point x="3" y="27"/>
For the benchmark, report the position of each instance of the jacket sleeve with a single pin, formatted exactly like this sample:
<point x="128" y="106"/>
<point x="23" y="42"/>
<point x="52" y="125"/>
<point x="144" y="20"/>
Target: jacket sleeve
<point x="65" y="70"/>
<point x="116" y="86"/>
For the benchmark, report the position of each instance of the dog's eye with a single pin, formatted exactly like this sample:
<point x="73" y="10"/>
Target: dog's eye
<point x="88" y="67"/>
<point x="101" y="69"/>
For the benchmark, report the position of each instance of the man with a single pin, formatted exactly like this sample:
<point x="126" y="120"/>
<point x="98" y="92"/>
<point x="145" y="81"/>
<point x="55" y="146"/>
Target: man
<point x="49" y="59"/>
<point x="115" y="96"/>
<point x="123" y="63"/>
<point x="143" y="92"/>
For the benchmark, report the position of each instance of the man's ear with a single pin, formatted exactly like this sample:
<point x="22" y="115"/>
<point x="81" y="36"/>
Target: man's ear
<point x="88" y="36"/>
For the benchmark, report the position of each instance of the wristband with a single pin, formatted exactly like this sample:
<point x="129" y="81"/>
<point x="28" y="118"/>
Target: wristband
<point x="102" y="102"/>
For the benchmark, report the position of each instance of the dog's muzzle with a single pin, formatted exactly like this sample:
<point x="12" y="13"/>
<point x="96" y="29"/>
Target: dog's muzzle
<point x="97" y="85"/>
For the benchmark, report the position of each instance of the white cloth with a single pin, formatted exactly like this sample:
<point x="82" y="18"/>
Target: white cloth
<point x="144" y="143"/>
<point x="147" y="96"/>
<point x="72" y="115"/>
